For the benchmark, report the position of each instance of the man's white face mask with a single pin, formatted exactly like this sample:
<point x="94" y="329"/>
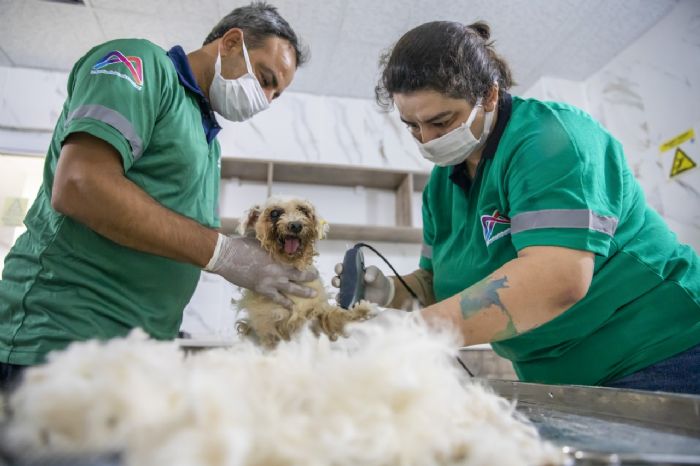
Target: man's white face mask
<point x="237" y="99"/>
<point x="456" y="146"/>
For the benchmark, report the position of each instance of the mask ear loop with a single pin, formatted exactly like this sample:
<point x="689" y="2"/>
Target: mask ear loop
<point x="217" y="63"/>
<point x="472" y="115"/>
<point x="486" y="131"/>
<point x="248" y="66"/>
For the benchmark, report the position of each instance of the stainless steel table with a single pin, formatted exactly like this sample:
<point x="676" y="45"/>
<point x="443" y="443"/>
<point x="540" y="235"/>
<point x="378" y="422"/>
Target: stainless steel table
<point x="607" y="426"/>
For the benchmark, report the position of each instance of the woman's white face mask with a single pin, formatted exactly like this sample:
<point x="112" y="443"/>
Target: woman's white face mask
<point x="456" y="146"/>
<point x="237" y="99"/>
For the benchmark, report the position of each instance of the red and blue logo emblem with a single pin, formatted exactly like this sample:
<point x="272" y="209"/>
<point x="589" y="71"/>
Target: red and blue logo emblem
<point x="494" y="226"/>
<point x="117" y="64"/>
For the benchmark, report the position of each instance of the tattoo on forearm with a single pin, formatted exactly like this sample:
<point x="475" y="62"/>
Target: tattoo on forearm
<point x="484" y="294"/>
<point x="481" y="295"/>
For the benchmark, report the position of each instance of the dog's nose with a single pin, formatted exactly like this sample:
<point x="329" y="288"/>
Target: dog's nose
<point x="295" y="227"/>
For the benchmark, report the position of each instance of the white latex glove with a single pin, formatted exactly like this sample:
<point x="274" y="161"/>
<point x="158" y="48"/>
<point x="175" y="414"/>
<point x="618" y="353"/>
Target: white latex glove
<point x="378" y="288"/>
<point x="243" y="262"/>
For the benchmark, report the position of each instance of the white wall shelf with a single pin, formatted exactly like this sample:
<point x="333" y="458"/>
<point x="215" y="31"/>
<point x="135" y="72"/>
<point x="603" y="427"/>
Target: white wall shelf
<point x="402" y="182"/>
<point x="345" y="231"/>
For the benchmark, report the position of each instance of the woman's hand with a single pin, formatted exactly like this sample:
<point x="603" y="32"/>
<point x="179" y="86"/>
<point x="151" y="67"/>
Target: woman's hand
<point x="379" y="289"/>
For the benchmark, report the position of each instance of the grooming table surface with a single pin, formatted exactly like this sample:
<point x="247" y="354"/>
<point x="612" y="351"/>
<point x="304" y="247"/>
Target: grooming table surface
<point x="611" y="426"/>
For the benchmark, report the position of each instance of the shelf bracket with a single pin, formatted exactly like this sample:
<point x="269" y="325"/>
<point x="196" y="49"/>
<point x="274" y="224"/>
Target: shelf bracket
<point x="270" y="176"/>
<point x="404" y="202"/>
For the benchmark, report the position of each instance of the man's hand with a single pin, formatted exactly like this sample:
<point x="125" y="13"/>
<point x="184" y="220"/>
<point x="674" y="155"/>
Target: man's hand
<point x="378" y="288"/>
<point x="243" y="262"/>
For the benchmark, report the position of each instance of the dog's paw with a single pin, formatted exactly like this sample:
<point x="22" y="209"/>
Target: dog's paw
<point x="333" y="319"/>
<point x="363" y="310"/>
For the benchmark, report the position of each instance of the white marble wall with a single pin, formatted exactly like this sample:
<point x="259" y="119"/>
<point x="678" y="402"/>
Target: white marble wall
<point x="30" y="103"/>
<point x="298" y="127"/>
<point x="559" y="90"/>
<point x="310" y="128"/>
<point x="645" y="96"/>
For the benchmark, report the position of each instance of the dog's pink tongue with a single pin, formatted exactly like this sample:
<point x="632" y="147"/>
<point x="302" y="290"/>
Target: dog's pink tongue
<point x="291" y="245"/>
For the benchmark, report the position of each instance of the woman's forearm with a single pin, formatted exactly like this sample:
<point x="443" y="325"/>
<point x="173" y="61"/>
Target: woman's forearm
<point x="521" y="295"/>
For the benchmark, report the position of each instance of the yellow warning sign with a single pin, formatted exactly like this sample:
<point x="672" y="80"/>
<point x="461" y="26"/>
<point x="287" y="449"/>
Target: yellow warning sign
<point x="681" y="163"/>
<point x="677" y="141"/>
<point x="13" y="212"/>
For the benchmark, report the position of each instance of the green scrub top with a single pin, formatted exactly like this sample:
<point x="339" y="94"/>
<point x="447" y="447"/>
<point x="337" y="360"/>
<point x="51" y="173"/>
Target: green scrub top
<point x="550" y="175"/>
<point x="64" y="282"/>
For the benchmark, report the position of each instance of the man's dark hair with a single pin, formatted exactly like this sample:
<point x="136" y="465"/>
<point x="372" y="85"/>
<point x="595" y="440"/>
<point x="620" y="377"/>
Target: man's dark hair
<point x="259" y="20"/>
<point x="444" y="56"/>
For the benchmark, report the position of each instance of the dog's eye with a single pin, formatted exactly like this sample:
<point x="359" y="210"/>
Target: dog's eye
<point x="275" y="214"/>
<point x="304" y="211"/>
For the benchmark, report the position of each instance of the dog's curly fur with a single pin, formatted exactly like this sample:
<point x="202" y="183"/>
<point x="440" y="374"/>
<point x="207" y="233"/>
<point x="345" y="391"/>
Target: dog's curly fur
<point x="288" y="229"/>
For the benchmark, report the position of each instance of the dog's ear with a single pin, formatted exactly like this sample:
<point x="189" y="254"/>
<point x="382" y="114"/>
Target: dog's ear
<point x="322" y="228"/>
<point x="247" y="225"/>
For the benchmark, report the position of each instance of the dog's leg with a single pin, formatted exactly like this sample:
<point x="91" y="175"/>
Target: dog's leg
<point x="267" y="323"/>
<point x="288" y="323"/>
<point x="295" y="322"/>
<point x="333" y="318"/>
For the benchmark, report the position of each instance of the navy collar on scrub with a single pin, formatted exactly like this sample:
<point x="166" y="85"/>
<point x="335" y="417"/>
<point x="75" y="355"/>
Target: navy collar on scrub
<point x="186" y="77"/>
<point x="460" y="175"/>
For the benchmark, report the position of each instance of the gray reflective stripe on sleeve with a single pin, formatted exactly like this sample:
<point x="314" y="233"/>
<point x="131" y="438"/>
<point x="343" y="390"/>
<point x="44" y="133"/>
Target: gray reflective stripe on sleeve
<point x="563" y="218"/>
<point x="113" y="119"/>
<point x="426" y="251"/>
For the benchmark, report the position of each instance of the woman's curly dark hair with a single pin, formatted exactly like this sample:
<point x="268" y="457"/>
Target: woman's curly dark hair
<point x="445" y="56"/>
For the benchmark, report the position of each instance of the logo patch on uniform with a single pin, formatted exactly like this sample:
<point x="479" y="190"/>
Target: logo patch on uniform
<point x="117" y="64"/>
<point x="495" y="226"/>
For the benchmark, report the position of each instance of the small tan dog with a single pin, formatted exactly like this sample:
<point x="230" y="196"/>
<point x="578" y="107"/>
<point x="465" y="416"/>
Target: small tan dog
<point x="288" y="229"/>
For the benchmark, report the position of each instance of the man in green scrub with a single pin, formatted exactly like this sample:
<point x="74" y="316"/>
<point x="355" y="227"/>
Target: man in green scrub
<point x="537" y="237"/>
<point x="125" y="219"/>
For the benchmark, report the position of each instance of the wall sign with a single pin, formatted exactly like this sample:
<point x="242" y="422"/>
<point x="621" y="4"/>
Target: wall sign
<point x="678" y="140"/>
<point x="684" y="158"/>
<point x="681" y="163"/>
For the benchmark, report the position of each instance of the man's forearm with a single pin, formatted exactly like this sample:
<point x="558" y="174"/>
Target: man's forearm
<point x="520" y="296"/>
<point x="95" y="192"/>
<point x="128" y="216"/>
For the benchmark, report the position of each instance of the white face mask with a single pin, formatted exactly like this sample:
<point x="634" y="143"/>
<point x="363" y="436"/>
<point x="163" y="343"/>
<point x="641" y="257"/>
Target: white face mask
<point x="237" y="99"/>
<point x="456" y="146"/>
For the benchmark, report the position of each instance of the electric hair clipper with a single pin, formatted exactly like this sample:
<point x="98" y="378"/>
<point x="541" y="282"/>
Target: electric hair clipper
<point x="352" y="278"/>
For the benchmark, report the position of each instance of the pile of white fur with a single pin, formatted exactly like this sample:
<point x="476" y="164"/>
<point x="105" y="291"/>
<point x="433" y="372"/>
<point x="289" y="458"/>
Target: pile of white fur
<point x="390" y="394"/>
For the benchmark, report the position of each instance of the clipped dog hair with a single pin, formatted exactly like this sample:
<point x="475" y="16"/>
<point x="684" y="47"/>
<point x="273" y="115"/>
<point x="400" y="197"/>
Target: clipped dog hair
<point x="388" y="395"/>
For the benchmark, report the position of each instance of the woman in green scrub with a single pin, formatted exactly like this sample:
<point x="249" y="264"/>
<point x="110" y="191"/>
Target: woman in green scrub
<point x="537" y="237"/>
